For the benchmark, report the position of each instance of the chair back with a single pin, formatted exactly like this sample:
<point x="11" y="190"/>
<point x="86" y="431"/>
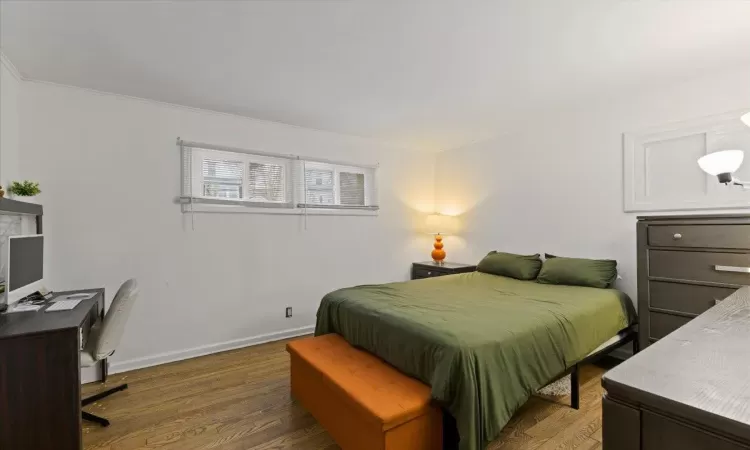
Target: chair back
<point x="113" y="326"/>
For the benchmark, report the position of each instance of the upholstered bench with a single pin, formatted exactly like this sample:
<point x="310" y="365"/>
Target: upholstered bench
<point x="361" y="401"/>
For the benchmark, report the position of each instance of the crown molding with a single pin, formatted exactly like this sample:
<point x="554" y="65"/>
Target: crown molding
<point x="10" y="66"/>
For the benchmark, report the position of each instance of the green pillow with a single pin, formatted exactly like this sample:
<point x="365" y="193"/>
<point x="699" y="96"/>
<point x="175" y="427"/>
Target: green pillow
<point x="599" y="273"/>
<point x="520" y="267"/>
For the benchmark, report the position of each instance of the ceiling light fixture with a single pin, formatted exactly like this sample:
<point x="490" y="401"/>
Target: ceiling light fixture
<point x="746" y="119"/>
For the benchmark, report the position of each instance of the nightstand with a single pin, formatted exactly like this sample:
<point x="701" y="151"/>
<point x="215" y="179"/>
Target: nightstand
<point x="429" y="269"/>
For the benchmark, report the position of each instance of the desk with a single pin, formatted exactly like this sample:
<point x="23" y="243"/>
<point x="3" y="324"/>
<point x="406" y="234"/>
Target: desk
<point x="40" y="376"/>
<point x="689" y="390"/>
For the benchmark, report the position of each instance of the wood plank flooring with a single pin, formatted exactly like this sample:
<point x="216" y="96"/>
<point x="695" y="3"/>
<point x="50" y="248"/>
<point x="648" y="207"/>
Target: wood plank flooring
<point x="239" y="400"/>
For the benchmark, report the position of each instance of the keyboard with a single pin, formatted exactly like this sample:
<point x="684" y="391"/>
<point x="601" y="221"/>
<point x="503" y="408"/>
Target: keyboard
<point x="63" y="305"/>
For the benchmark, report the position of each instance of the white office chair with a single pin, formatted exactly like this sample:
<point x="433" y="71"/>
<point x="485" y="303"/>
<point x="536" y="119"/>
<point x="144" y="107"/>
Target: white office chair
<point x="105" y="338"/>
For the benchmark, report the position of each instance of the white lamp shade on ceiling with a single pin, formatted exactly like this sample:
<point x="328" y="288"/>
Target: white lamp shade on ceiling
<point x="441" y="224"/>
<point x="746" y="119"/>
<point x="725" y="161"/>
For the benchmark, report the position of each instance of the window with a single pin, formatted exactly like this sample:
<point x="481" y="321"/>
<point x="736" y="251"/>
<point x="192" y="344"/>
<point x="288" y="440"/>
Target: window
<point x="319" y="187"/>
<point x="222" y="179"/>
<point x="352" y="188"/>
<point x="239" y="178"/>
<point x="266" y="182"/>
<point x="337" y="186"/>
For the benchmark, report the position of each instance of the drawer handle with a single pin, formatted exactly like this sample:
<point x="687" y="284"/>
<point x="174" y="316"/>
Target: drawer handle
<point x="677" y="236"/>
<point x="429" y="273"/>
<point x="732" y="269"/>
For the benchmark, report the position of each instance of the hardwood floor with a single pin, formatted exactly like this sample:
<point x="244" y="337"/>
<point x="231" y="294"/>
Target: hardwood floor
<point x="239" y="400"/>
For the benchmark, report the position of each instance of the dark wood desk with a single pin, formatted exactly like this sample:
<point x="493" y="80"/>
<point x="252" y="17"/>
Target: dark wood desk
<point x="40" y="376"/>
<point x="689" y="390"/>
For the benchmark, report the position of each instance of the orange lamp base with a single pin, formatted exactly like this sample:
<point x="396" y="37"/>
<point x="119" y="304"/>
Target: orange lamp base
<point x="438" y="255"/>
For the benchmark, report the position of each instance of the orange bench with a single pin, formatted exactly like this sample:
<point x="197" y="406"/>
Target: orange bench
<point x="361" y="401"/>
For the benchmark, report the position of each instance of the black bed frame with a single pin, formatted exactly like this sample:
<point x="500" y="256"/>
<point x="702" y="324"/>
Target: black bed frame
<point x="627" y="335"/>
<point x="630" y="334"/>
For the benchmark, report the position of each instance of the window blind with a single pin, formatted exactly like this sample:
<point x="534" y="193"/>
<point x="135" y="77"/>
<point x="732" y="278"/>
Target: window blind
<point x="319" y="186"/>
<point x="352" y="187"/>
<point x="237" y="177"/>
<point x="222" y="175"/>
<point x="222" y="179"/>
<point x="266" y="182"/>
<point x="336" y="186"/>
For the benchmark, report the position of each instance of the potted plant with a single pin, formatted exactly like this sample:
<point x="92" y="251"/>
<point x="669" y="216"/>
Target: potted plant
<point x="25" y="191"/>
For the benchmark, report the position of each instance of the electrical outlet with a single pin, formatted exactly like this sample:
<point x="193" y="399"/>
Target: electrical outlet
<point x="288" y="311"/>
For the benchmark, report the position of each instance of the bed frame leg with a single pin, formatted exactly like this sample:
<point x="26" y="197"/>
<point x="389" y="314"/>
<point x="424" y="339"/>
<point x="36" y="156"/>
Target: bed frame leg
<point x="574" y="388"/>
<point x="450" y="432"/>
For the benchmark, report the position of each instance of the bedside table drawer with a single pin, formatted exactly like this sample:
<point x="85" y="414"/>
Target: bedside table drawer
<point x="429" y="270"/>
<point x="427" y="273"/>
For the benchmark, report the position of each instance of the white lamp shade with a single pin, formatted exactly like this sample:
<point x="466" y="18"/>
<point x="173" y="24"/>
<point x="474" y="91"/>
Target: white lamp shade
<point x="442" y="224"/>
<point x="725" y="161"/>
<point x="746" y="119"/>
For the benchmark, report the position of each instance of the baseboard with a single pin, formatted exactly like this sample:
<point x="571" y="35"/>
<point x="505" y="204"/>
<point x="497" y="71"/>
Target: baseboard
<point x="179" y="355"/>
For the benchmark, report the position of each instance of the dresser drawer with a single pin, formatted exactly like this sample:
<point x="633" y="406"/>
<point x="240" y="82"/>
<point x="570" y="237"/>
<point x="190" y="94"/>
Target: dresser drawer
<point x="707" y="236"/>
<point x="663" y="324"/>
<point x="729" y="268"/>
<point x="661" y="433"/>
<point x="686" y="298"/>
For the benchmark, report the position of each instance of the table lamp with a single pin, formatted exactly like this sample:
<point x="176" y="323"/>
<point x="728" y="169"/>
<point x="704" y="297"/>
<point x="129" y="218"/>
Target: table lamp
<point x="440" y="224"/>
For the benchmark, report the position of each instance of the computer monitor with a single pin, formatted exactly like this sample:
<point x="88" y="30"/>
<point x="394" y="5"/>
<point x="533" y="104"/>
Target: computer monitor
<point x="24" y="266"/>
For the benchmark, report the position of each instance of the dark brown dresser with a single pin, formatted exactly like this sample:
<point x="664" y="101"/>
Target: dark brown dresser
<point x="686" y="264"/>
<point x="689" y="391"/>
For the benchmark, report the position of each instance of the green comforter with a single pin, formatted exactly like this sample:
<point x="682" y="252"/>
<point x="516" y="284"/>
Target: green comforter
<point x="484" y="343"/>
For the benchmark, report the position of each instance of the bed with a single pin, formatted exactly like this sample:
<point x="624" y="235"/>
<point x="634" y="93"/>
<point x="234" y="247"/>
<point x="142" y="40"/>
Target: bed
<point x="483" y="343"/>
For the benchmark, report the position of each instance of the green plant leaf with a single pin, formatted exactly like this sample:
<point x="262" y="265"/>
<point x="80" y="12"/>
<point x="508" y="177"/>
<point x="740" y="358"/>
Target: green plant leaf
<point x="24" y="188"/>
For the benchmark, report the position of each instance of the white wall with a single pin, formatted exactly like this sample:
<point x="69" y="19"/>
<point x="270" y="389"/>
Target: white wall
<point x="110" y="172"/>
<point x="555" y="184"/>
<point x="109" y="169"/>
<point x="10" y="91"/>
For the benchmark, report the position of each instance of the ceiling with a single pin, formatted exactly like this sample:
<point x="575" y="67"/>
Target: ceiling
<point x="433" y="74"/>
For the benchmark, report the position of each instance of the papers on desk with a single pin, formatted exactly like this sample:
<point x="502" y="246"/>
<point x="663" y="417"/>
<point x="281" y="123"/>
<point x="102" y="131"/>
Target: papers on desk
<point x="24" y="308"/>
<point x="63" y="305"/>
<point x="67" y="302"/>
